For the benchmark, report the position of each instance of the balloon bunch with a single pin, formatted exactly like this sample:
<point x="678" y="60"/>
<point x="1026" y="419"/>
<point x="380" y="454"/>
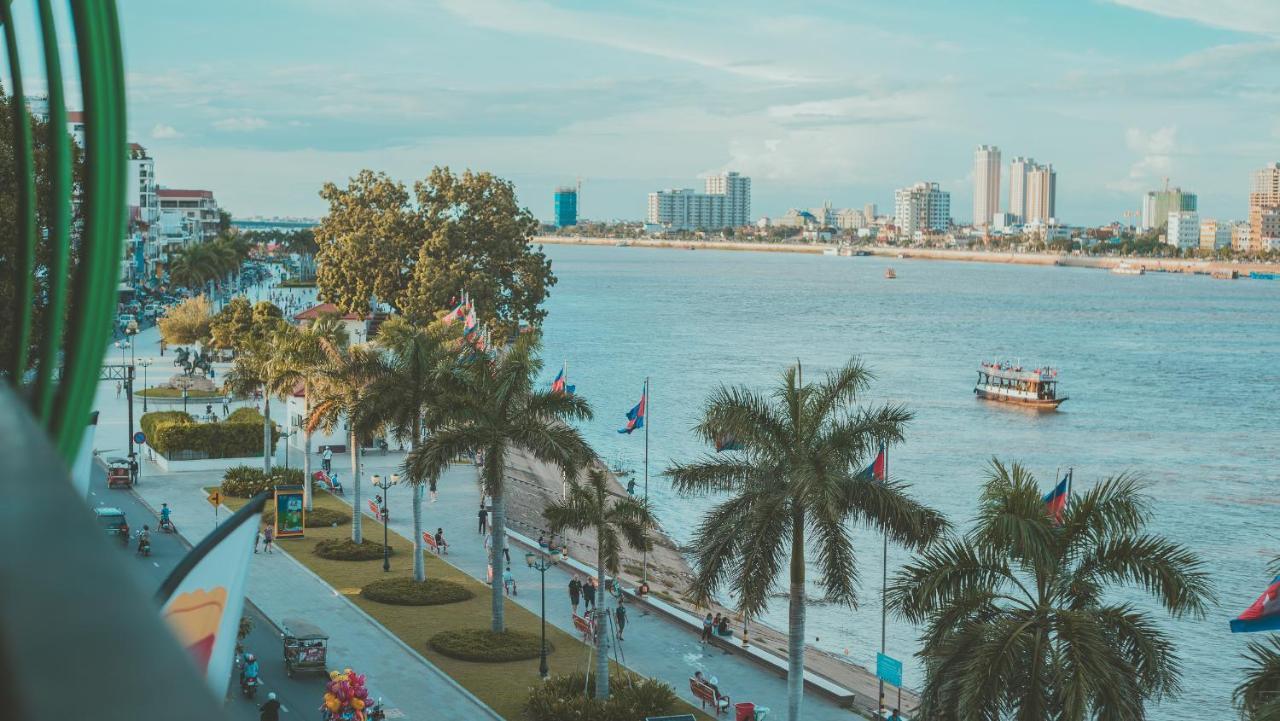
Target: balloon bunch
<point x="345" y="696"/>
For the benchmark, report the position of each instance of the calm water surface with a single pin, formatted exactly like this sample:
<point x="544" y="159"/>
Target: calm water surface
<point x="1172" y="377"/>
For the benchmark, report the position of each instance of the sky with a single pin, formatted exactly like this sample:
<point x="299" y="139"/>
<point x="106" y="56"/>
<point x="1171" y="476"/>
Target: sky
<point x="839" y="101"/>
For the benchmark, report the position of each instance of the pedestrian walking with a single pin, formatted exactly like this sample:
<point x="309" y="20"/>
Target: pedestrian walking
<point x="620" y="617"/>
<point x="483" y="515"/>
<point x="226" y="407"/>
<point x="707" y="624"/>
<point x="431" y="486"/>
<point x="441" y="545"/>
<point x="509" y="582"/>
<point x="267" y="537"/>
<point x="257" y="540"/>
<point x="575" y="593"/>
<point x="119" y="387"/>
<point x="589" y="595"/>
<point x="326" y="459"/>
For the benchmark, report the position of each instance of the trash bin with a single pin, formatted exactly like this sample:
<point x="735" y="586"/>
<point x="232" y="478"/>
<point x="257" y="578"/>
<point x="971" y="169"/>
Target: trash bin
<point x="744" y="712"/>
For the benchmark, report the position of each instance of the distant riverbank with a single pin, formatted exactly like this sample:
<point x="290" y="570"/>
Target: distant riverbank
<point x="1168" y="265"/>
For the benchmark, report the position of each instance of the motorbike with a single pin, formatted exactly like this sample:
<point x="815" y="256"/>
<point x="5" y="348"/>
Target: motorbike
<point x="249" y="686"/>
<point x="144" y="546"/>
<point x="167" y="526"/>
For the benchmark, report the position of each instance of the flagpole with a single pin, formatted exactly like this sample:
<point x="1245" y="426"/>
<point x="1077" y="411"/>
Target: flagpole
<point x="645" y="563"/>
<point x="1071" y="474"/>
<point x="884" y="581"/>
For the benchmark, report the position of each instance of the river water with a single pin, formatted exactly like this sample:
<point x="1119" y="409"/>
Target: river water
<point x="1172" y="377"/>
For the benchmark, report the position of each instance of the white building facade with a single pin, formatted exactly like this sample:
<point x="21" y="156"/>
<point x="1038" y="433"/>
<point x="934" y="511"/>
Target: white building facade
<point x="726" y="203"/>
<point x="921" y="209"/>
<point x="986" y="184"/>
<point x="1183" y="230"/>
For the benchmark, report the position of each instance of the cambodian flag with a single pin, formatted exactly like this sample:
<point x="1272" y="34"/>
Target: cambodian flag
<point x="471" y="324"/>
<point x="561" y="384"/>
<point x="877" y="468"/>
<point x="455" y="314"/>
<point x="1264" y="614"/>
<point x="1055" y="501"/>
<point x="635" y="417"/>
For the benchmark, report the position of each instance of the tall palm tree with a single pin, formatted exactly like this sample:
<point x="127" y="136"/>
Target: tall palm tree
<point x="408" y="394"/>
<point x="253" y="371"/>
<point x="1020" y="624"/>
<point x="341" y="386"/>
<point x="795" y="483"/>
<point x="498" y="409"/>
<point x="1258" y="696"/>
<point x="615" y="519"/>
<point x="298" y="355"/>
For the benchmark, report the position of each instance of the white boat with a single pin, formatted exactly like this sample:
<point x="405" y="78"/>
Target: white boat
<point x="1009" y="383"/>
<point x="1127" y="269"/>
<point x="830" y="251"/>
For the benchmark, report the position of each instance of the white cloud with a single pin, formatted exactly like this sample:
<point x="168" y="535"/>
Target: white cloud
<point x="1155" y="152"/>
<point x="241" y="124"/>
<point x="165" y="132"/>
<point x="1259" y="17"/>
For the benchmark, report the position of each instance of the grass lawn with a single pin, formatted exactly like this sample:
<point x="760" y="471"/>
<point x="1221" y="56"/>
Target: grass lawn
<point x="177" y="393"/>
<point x="503" y="686"/>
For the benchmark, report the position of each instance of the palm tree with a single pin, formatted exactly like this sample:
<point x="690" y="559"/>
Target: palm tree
<point x="615" y="519"/>
<point x="252" y="371"/>
<point x="1020" y="624"/>
<point x="340" y="387"/>
<point x="1258" y="696"/>
<point x="408" y="393"/>
<point x="298" y="355"/>
<point x="795" y="484"/>
<point x="496" y="410"/>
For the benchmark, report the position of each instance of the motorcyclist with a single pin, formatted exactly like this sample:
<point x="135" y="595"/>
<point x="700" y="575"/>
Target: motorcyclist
<point x="164" y="516"/>
<point x="144" y="539"/>
<point x="249" y="670"/>
<point x="270" y="711"/>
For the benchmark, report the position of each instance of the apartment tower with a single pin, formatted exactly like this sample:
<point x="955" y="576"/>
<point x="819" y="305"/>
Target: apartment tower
<point x="986" y="184"/>
<point x="1264" y="196"/>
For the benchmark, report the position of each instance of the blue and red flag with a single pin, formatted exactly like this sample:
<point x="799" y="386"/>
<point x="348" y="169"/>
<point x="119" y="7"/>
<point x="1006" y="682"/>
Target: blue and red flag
<point x="456" y="314"/>
<point x="877" y="468"/>
<point x="635" y="416"/>
<point x="1055" y="501"/>
<point x="561" y="384"/>
<point x="471" y="324"/>
<point x="1263" y="615"/>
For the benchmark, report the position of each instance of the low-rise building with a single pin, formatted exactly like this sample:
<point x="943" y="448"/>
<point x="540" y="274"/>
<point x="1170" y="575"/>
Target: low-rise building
<point x="1183" y="229"/>
<point x="1214" y="234"/>
<point x="1241" y="237"/>
<point x="195" y="205"/>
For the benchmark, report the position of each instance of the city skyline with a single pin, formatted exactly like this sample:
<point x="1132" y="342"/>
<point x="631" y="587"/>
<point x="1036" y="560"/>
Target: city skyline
<point x="631" y="99"/>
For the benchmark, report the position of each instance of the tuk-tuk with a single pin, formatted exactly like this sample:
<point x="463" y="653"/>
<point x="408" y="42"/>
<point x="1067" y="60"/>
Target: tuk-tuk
<point x="118" y="475"/>
<point x="306" y="647"/>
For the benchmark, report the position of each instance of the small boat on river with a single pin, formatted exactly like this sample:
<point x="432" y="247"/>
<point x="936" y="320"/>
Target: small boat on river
<point x="890" y="274"/>
<point x="1007" y="383"/>
<point x="1127" y="269"/>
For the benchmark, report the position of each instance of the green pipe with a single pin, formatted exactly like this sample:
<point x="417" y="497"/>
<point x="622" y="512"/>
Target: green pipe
<point x="60" y="182"/>
<point x="24" y="182"/>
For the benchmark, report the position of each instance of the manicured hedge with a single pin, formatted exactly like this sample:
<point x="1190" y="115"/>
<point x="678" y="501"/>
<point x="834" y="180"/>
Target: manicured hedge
<point x="249" y="481"/>
<point x="245" y="414"/>
<point x="347" y="550"/>
<point x="220" y="439"/>
<point x="165" y="392"/>
<point x="485" y="646"/>
<point x="408" y="592"/>
<point x="564" y="697"/>
<point x="150" y="422"/>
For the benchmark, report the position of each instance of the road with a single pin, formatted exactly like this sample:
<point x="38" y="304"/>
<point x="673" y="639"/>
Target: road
<point x="300" y="696"/>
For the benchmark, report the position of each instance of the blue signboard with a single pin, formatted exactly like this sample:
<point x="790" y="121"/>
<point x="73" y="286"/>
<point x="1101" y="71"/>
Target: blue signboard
<point x="889" y="669"/>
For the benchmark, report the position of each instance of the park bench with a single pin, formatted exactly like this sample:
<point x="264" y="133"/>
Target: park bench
<point x="430" y="541"/>
<point x="584" y="627"/>
<point x="707" y="695"/>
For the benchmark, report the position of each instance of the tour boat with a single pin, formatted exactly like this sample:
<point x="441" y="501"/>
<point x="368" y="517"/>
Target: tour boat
<point x="1126" y="269"/>
<point x="890" y="273"/>
<point x="1008" y="383"/>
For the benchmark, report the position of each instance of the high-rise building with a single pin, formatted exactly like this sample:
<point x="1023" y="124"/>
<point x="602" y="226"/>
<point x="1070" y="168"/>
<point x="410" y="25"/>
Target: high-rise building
<point x="1041" y="194"/>
<point x="725" y="204"/>
<point x="869" y="212"/>
<point x="1158" y="204"/>
<point x="1264" y="195"/>
<point x="141" y="193"/>
<point x="1018" y="168"/>
<point x="566" y="206"/>
<point x="1183" y="229"/>
<point x="921" y="209"/>
<point x="1214" y="234"/>
<point x="986" y="184"/>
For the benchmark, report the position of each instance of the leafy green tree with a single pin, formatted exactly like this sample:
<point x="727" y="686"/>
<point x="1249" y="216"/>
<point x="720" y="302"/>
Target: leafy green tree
<point x="409" y="393"/>
<point x="340" y="388"/>
<point x="1021" y="621"/>
<point x="240" y="322"/>
<point x="615" y="519"/>
<point x="456" y="232"/>
<point x="794" y="486"/>
<point x="497" y="408"/>
<point x="1258" y="696"/>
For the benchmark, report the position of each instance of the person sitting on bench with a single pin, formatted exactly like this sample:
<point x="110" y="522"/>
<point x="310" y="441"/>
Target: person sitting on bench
<point x="722" y="628"/>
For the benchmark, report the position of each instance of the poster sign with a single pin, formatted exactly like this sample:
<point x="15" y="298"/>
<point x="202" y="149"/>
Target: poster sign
<point x="889" y="669"/>
<point x="290" y="512"/>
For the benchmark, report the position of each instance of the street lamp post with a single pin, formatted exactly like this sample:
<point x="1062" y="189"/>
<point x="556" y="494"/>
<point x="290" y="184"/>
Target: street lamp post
<point x="145" y="363"/>
<point x="540" y="562"/>
<point x="184" y="398"/>
<point x="385" y="486"/>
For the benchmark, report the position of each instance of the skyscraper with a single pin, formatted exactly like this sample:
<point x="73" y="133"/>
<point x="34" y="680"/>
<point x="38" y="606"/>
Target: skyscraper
<point x="566" y="202"/>
<point x="1018" y="168"/>
<point x="736" y="190"/>
<point x="986" y="184"/>
<point x="1158" y="204"/>
<point x="1264" y="196"/>
<point x="1041" y="194"/>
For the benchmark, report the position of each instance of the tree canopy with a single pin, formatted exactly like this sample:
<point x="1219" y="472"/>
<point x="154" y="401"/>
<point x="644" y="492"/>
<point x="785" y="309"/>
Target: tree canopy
<point x="187" y="322"/>
<point x="240" y="322"/>
<point x="416" y="252"/>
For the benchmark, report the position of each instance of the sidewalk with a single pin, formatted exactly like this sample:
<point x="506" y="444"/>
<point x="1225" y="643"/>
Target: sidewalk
<point x="655" y="646"/>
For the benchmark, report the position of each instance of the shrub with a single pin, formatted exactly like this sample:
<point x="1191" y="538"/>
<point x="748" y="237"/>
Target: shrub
<point x="316" y="518"/>
<point x="347" y="550"/>
<point x="562" y="697"/>
<point x="408" y="592"/>
<point x="224" y="439"/>
<point x="249" y="481"/>
<point x="151" y="422"/>
<point x="166" y="392"/>
<point x="245" y="414"/>
<point x="485" y="646"/>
